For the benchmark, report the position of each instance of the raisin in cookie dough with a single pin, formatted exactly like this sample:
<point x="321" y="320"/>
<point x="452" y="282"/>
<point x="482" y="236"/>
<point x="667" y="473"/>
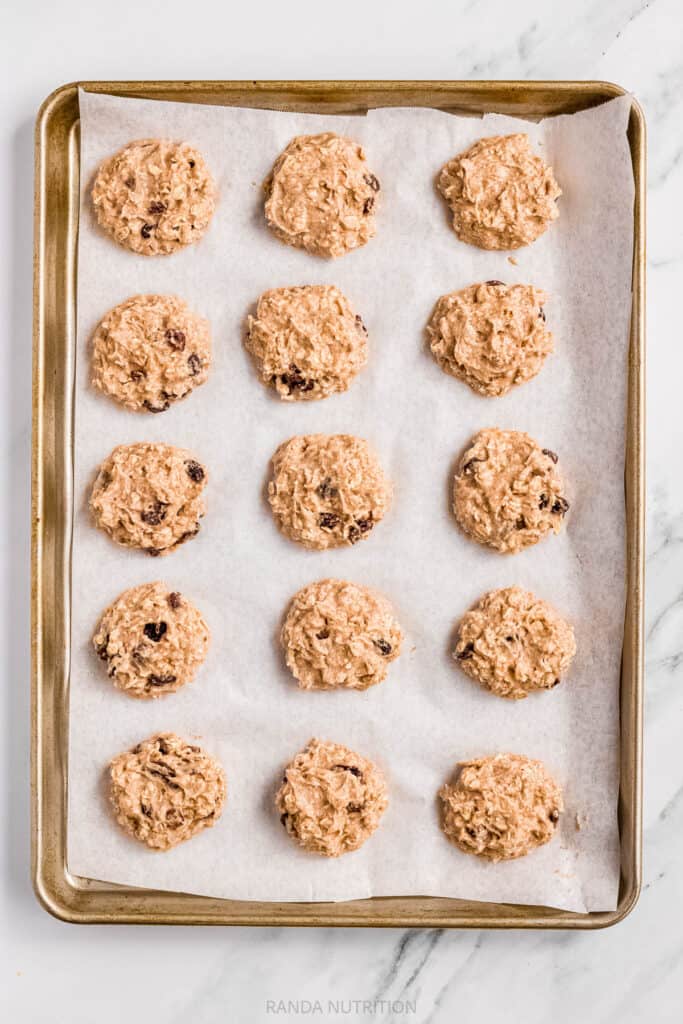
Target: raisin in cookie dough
<point x="501" y="807"/>
<point x="149" y="496"/>
<point x="306" y="342"/>
<point x="328" y="490"/>
<point x="492" y="336"/>
<point x="513" y="643"/>
<point x="331" y="799"/>
<point x="508" y="491"/>
<point x="150" y="351"/>
<point x="338" y="635"/>
<point x="502" y="195"/>
<point x="153" y="641"/>
<point x="320" y="195"/>
<point x="166" y="790"/>
<point x="154" y="196"/>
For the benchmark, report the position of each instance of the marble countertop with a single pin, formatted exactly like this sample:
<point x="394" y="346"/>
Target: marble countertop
<point x="629" y="973"/>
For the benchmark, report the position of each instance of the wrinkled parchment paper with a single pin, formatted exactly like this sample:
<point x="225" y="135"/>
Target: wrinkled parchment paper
<point x="244" y="707"/>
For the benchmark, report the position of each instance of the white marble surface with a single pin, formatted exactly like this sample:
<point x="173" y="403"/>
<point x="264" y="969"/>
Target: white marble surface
<point x="631" y="973"/>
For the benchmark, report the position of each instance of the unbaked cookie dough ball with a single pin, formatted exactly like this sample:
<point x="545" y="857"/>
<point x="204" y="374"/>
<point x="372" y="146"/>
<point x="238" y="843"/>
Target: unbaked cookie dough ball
<point x="502" y="195"/>
<point x="151" y="351"/>
<point x="149" y="496"/>
<point x="154" y="197"/>
<point x="306" y="342"/>
<point x="338" y="635"/>
<point x="321" y="195"/>
<point x="328" y="490"/>
<point x="501" y="807"/>
<point x="166" y="790"/>
<point x="492" y="336"/>
<point x="152" y="639"/>
<point x="513" y="643"/>
<point x="508" y="491"/>
<point x="331" y="799"/>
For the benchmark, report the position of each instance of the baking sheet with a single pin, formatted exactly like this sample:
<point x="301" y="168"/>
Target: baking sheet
<point x="244" y="707"/>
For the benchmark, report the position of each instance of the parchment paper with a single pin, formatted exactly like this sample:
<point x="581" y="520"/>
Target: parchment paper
<point x="244" y="707"/>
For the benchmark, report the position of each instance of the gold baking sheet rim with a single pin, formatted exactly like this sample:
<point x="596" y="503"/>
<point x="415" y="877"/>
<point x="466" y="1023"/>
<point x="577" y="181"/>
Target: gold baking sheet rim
<point x="82" y="900"/>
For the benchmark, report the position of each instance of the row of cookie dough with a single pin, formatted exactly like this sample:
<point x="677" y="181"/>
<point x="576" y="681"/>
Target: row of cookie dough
<point x="331" y="799"/>
<point x="335" y="635"/>
<point x="308" y="343"/>
<point x="329" y="490"/>
<point x="156" y="196"/>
